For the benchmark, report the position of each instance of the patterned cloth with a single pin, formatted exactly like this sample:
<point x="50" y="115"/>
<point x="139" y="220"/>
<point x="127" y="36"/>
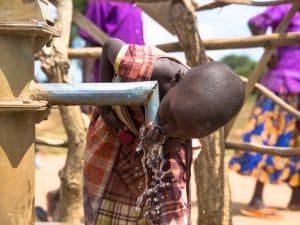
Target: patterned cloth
<point x="271" y="126"/>
<point x="114" y="177"/>
<point x="121" y="20"/>
<point x="286" y="73"/>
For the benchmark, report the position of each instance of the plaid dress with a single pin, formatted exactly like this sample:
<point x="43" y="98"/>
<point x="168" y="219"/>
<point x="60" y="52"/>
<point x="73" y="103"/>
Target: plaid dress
<point x="113" y="174"/>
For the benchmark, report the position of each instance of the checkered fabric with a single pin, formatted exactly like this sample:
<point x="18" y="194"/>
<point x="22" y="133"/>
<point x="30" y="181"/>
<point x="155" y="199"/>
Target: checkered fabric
<point x="136" y="63"/>
<point x="113" y="172"/>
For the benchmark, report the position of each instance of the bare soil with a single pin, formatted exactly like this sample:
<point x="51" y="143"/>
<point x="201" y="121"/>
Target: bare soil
<point x="241" y="189"/>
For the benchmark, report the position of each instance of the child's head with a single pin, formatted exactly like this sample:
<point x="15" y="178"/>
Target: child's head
<point x="205" y="99"/>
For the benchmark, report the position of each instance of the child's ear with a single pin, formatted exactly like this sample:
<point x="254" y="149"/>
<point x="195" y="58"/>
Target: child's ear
<point x="177" y="77"/>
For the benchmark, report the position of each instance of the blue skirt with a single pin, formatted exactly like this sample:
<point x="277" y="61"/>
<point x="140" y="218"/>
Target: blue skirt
<point x="272" y="126"/>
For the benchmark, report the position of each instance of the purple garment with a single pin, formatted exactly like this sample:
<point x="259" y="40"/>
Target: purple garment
<point x="285" y="76"/>
<point x="117" y="19"/>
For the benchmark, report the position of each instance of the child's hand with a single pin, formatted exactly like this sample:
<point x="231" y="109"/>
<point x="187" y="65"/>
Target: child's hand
<point x="110" y="119"/>
<point x="153" y="133"/>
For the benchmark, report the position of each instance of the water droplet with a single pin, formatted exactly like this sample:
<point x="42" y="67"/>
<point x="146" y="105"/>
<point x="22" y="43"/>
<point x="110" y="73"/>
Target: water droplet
<point x="152" y="160"/>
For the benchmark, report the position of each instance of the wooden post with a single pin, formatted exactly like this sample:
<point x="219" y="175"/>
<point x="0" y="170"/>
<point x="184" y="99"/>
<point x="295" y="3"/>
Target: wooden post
<point x="21" y="35"/>
<point x="56" y="66"/>
<point x="211" y="177"/>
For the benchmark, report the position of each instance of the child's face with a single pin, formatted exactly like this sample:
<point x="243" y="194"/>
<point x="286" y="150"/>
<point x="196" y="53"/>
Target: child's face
<point x="174" y="117"/>
<point x="167" y="120"/>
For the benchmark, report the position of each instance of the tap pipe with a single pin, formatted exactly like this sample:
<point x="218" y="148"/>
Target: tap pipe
<point x="127" y="93"/>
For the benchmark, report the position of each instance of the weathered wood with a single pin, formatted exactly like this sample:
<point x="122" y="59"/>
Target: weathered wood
<point x="221" y="3"/>
<point x="56" y="66"/>
<point x="183" y="19"/>
<point x="51" y="142"/>
<point x="213" y="191"/>
<point x="247" y="147"/>
<point x="262" y="63"/>
<point x="290" y="38"/>
<point x="84" y="23"/>
<point x="159" y="11"/>
<point x="212" y="44"/>
<point x="277" y="100"/>
<point x="211" y="179"/>
<point x="81" y="53"/>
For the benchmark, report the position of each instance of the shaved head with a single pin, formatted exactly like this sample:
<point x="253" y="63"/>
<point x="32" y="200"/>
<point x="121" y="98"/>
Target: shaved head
<point x="206" y="98"/>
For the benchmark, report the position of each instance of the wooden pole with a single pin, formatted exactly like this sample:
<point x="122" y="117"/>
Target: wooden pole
<point x="275" y="99"/>
<point x="260" y="66"/>
<point x="56" y="67"/>
<point x="221" y="3"/>
<point x="81" y="53"/>
<point x="290" y="38"/>
<point x="247" y="147"/>
<point x="94" y="31"/>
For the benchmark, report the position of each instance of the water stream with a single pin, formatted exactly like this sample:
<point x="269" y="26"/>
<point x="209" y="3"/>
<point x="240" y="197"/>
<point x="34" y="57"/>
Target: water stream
<point x="153" y="163"/>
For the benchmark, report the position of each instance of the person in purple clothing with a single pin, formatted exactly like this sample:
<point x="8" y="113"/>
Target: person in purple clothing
<point x="271" y="125"/>
<point x="121" y="20"/>
<point x="117" y="19"/>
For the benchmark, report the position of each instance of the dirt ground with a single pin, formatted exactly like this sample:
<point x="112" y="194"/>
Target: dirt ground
<point x="241" y="187"/>
<point x="241" y="190"/>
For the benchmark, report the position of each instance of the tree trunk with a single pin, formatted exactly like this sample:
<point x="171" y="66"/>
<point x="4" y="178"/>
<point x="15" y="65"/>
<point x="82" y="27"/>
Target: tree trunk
<point x="185" y="23"/>
<point x="210" y="170"/>
<point x="56" y="66"/>
<point x="212" y="182"/>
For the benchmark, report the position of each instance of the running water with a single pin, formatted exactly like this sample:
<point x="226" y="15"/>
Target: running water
<point x="152" y="162"/>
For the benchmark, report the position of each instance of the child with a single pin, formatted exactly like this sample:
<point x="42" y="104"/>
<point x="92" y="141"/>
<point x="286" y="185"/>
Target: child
<point x="194" y="103"/>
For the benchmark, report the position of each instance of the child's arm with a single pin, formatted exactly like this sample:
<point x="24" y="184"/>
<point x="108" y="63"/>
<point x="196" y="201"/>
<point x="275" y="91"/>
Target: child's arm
<point x="109" y="51"/>
<point x="154" y="133"/>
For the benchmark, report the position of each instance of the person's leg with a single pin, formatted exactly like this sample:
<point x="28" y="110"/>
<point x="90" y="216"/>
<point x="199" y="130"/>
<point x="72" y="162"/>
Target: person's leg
<point x="257" y="198"/>
<point x="294" y="203"/>
<point x="257" y="208"/>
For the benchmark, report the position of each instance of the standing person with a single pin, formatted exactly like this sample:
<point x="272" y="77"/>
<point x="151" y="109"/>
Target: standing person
<point x="121" y="20"/>
<point x="271" y="125"/>
<point x="114" y="176"/>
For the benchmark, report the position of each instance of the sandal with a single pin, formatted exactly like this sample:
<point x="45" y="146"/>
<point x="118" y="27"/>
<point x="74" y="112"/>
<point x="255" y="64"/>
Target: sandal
<point x="266" y="213"/>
